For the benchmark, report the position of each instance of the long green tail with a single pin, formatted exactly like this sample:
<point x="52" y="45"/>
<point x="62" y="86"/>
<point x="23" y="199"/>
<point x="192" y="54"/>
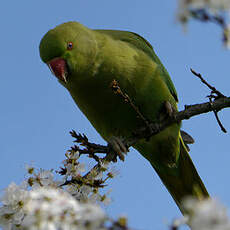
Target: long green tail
<point x="187" y="182"/>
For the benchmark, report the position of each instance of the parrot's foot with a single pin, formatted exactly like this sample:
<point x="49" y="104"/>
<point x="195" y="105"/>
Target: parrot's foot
<point x="117" y="149"/>
<point x="170" y="110"/>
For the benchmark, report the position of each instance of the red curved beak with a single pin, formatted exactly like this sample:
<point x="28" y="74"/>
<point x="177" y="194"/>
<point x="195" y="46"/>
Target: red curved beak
<point x="58" y="67"/>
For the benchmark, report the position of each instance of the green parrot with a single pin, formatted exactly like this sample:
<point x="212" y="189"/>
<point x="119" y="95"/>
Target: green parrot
<point x="86" y="61"/>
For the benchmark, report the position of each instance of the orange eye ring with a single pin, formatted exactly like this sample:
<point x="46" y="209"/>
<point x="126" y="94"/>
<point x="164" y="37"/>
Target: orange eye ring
<point x="69" y="45"/>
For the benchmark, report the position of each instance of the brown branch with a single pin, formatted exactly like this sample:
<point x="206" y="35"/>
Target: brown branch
<point x="145" y="132"/>
<point x="220" y="102"/>
<point x="155" y="128"/>
<point x="187" y="113"/>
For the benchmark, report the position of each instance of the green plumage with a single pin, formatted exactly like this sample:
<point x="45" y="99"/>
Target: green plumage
<point x="96" y="59"/>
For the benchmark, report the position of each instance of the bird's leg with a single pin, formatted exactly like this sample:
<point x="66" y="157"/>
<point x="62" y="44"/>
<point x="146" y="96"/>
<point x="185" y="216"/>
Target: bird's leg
<point x="117" y="147"/>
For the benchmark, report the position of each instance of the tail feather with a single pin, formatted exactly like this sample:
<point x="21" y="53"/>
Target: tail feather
<point x="186" y="182"/>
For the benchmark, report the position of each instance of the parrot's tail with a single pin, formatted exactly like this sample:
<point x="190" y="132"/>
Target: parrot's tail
<point x="187" y="182"/>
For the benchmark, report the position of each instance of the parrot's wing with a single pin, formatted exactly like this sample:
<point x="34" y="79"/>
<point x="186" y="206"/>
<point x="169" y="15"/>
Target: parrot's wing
<point x="140" y="43"/>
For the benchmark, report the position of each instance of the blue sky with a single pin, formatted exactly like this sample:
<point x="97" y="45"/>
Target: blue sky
<point x="37" y="113"/>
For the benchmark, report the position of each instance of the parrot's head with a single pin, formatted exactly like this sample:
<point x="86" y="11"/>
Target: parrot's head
<point x="69" y="50"/>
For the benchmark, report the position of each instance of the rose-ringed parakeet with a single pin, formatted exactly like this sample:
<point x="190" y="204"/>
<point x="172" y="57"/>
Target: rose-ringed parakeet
<point x="86" y="61"/>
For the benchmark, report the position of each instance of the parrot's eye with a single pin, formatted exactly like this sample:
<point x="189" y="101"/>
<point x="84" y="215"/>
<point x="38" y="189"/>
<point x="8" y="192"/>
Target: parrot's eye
<point x="69" y="46"/>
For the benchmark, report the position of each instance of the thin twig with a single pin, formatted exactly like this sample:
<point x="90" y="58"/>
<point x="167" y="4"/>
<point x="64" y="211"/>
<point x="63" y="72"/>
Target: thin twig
<point x="217" y="117"/>
<point x="213" y="89"/>
<point x="90" y="148"/>
<point x="214" y="94"/>
<point x="204" y="16"/>
<point x="117" y="90"/>
<point x="82" y="181"/>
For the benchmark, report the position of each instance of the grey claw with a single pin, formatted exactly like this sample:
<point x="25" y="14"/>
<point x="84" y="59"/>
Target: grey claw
<point x="118" y="147"/>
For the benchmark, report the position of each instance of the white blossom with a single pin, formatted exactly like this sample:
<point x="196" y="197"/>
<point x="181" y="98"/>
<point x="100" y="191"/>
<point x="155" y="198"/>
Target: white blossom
<point x="13" y="202"/>
<point x="45" y="208"/>
<point x="73" y="167"/>
<point x="208" y="214"/>
<point x="44" y="203"/>
<point x="50" y="209"/>
<point x="42" y="178"/>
